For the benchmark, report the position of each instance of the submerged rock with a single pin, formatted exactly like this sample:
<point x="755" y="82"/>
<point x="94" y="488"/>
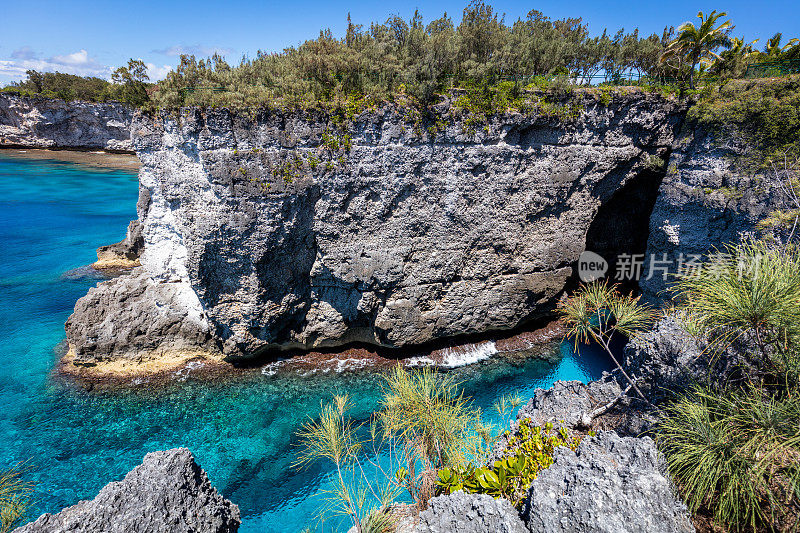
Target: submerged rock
<point x="610" y="484"/>
<point x="167" y="493"/>
<point x="56" y="124"/>
<point x="469" y="513"/>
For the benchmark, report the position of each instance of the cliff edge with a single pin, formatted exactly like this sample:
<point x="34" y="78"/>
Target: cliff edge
<point x="56" y="124"/>
<point x="290" y="231"/>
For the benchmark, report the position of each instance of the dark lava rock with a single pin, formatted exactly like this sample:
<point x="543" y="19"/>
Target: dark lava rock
<point x="610" y="484"/>
<point x="167" y="493"/>
<point x="469" y="513"/>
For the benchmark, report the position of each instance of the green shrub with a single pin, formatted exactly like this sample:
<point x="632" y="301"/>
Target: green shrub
<point x="737" y="454"/>
<point x="749" y="292"/>
<point x="527" y="452"/>
<point x="762" y="116"/>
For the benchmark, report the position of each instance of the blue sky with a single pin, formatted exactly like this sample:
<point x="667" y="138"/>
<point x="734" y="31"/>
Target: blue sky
<point x="91" y="38"/>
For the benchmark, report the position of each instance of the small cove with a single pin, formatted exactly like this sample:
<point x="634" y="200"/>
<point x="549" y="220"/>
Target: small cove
<point x="53" y="215"/>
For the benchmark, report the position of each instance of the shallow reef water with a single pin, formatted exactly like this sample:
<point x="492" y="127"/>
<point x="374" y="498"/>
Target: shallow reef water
<point x="53" y="215"/>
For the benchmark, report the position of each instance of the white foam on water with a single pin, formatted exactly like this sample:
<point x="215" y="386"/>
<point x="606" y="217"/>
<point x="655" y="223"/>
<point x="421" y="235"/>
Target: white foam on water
<point x="350" y="364"/>
<point x="460" y="356"/>
<point x="183" y="373"/>
<point x="272" y="368"/>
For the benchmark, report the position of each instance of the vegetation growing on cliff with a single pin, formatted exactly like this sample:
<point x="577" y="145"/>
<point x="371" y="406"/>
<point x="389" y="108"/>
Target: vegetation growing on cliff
<point x="418" y="61"/>
<point x="416" y="58"/>
<point x="128" y="85"/>
<point x="527" y="452"/>
<point x="760" y="117"/>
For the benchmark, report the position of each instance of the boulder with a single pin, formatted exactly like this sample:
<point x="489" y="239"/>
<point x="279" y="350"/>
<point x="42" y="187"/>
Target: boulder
<point x="167" y="493"/>
<point x="566" y="402"/>
<point x="665" y="360"/>
<point x="610" y="484"/>
<point x="469" y="513"/>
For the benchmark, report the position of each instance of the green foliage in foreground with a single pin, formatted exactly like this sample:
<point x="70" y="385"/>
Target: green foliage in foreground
<point x="748" y="293"/>
<point x="527" y="453"/>
<point x="424" y="424"/>
<point x="760" y="116"/>
<point x="733" y="446"/>
<point x="737" y="454"/>
<point x="15" y="498"/>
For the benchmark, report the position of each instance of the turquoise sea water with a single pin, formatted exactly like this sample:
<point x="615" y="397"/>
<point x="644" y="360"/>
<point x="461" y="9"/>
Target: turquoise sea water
<point x="53" y="215"/>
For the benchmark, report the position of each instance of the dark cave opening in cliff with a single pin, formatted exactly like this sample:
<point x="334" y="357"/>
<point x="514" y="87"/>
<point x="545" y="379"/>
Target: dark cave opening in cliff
<point x="621" y="227"/>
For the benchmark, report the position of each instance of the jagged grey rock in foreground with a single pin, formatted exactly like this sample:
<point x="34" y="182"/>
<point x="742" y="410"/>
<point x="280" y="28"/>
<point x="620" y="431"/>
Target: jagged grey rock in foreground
<point x="469" y="513"/>
<point x="666" y="360"/>
<point x="167" y="493"/>
<point x="403" y="239"/>
<point x="50" y="123"/>
<point x="566" y="402"/>
<point x="610" y="484"/>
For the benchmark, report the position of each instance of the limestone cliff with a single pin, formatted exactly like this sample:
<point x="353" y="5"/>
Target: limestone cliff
<point x="286" y="230"/>
<point x="55" y="124"/>
<point x="708" y="198"/>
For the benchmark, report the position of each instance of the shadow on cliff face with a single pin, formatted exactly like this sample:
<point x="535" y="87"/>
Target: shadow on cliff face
<point x="622" y="224"/>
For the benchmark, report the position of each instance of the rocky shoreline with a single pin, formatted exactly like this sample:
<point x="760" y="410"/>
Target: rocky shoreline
<point x="614" y="482"/>
<point x="163" y="372"/>
<point x="58" y="125"/>
<point x="243" y="248"/>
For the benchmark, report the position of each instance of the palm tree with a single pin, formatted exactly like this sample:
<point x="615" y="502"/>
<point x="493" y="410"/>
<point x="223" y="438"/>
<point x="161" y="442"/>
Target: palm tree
<point x="773" y="50"/>
<point x="734" y="60"/>
<point x="698" y="43"/>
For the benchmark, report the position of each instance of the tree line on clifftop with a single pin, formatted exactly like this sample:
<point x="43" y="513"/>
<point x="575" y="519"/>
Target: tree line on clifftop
<point x="418" y="60"/>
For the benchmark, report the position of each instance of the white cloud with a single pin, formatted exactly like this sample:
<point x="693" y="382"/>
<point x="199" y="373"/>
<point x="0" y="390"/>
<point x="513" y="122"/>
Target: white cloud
<point x="193" y="49"/>
<point x="79" y="63"/>
<point x="156" y="73"/>
<point x="76" y="58"/>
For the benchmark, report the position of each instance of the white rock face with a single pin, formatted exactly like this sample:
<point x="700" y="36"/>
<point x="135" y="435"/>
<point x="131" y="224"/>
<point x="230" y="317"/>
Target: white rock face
<point x="45" y="123"/>
<point x="406" y="237"/>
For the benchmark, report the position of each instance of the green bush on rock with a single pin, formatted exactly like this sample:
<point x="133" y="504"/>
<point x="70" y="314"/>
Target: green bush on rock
<point x="528" y="451"/>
